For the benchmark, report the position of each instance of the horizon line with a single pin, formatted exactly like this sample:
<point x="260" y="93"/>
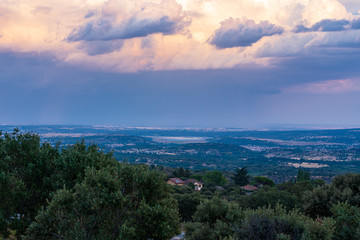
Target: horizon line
<point x="262" y="127"/>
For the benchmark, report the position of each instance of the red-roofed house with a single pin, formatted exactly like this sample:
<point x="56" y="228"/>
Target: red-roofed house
<point x="175" y="181"/>
<point x="249" y="188"/>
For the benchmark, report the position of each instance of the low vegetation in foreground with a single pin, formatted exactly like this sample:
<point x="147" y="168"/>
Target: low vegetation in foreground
<point x="80" y="192"/>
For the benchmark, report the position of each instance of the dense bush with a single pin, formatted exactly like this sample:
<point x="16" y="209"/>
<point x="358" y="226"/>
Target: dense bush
<point x="347" y="220"/>
<point x="125" y="202"/>
<point x="79" y="192"/>
<point x="220" y="219"/>
<point x="215" y="219"/>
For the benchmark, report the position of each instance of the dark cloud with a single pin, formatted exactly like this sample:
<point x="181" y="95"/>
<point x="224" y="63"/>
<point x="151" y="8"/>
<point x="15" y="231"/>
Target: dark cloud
<point x="101" y="47"/>
<point x="242" y="33"/>
<point x="104" y="33"/>
<point x="144" y="27"/>
<point x="330" y="25"/>
<point x="105" y="29"/>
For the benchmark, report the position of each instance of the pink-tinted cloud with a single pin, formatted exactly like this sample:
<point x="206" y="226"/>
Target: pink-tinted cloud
<point x="328" y="87"/>
<point x="330" y="25"/>
<point x="142" y="35"/>
<point x="326" y="25"/>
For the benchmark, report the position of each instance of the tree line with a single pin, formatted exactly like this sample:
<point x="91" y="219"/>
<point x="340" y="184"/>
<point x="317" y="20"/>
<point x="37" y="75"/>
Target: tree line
<point x="299" y="209"/>
<point x="80" y="192"/>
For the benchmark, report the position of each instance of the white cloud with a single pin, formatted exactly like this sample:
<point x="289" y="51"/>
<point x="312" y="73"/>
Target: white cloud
<point x="288" y="45"/>
<point x="317" y="10"/>
<point x="328" y="87"/>
<point x="353" y="6"/>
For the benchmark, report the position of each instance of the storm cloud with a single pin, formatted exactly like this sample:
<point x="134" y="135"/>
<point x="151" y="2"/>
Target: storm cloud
<point x="242" y="32"/>
<point x="94" y="48"/>
<point x="164" y="18"/>
<point x="105" y="30"/>
<point x="329" y="25"/>
<point x="326" y="25"/>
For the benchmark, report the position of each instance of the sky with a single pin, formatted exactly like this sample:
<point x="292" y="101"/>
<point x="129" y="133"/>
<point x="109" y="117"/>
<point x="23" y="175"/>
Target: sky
<point x="180" y="63"/>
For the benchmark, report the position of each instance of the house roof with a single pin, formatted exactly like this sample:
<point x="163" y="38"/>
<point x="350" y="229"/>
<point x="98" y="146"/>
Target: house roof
<point x="249" y="188"/>
<point x="176" y="180"/>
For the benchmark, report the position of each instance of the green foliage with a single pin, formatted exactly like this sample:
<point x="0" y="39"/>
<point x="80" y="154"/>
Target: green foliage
<point x="187" y="204"/>
<point x="187" y="173"/>
<point x="297" y="188"/>
<point x="214" y="177"/>
<point x="277" y="223"/>
<point x="185" y="189"/>
<point x="75" y="159"/>
<point x="79" y="192"/>
<point x="181" y="173"/>
<point x="347" y="220"/>
<point x="199" y="231"/>
<point x="274" y="222"/>
<point x="211" y="211"/>
<point x="219" y="219"/>
<point x="197" y="177"/>
<point x="267" y="196"/>
<point x="214" y="219"/>
<point x="26" y="171"/>
<point x="321" y="229"/>
<point x="316" y="203"/>
<point x="302" y="176"/>
<point x="264" y="181"/>
<point x="282" y="236"/>
<point x="268" y="223"/>
<point x="233" y="194"/>
<point x="88" y="193"/>
<point x="345" y="188"/>
<point x="241" y="176"/>
<point x="318" y="182"/>
<point x="123" y="202"/>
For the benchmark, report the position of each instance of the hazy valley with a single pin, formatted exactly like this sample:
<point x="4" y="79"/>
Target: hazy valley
<point x="273" y="153"/>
